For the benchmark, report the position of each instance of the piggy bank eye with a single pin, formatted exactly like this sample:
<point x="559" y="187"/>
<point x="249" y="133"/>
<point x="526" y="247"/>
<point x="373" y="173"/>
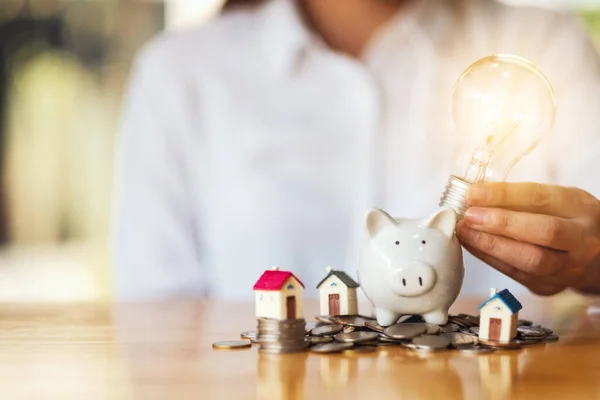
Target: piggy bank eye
<point x="422" y="241"/>
<point x="397" y="242"/>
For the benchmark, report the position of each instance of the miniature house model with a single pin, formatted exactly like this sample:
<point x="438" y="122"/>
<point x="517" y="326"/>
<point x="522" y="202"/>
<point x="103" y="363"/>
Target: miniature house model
<point x="278" y="295"/>
<point x="337" y="293"/>
<point x="499" y="316"/>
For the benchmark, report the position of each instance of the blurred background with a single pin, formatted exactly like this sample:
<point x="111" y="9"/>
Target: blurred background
<point x="64" y="65"/>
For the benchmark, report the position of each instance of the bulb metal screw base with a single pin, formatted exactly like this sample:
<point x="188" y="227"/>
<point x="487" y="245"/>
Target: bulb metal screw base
<point x="455" y="195"/>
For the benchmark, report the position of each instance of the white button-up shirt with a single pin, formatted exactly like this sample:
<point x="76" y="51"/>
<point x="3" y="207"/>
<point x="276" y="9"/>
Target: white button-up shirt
<point x="248" y="143"/>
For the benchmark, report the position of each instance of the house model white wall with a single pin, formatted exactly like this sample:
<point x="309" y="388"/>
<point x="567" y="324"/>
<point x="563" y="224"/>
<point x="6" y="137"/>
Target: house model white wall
<point x="278" y="295"/>
<point x="499" y="316"/>
<point x="337" y="294"/>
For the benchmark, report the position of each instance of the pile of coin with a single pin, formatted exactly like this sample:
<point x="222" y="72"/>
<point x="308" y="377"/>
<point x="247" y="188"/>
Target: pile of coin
<point x="461" y="332"/>
<point x="275" y="336"/>
<point x="355" y="333"/>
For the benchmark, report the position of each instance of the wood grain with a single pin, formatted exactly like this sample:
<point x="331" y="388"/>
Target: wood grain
<point x="163" y="351"/>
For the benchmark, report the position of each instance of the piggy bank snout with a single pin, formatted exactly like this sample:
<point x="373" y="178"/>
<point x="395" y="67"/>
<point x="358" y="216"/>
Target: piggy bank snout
<point x="413" y="279"/>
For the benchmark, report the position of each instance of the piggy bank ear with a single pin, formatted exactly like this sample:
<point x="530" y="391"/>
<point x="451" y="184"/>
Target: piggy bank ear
<point x="444" y="220"/>
<point x="378" y="219"/>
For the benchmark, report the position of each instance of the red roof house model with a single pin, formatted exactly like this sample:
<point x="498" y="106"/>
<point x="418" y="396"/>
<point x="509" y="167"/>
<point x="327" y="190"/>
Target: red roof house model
<point x="273" y="280"/>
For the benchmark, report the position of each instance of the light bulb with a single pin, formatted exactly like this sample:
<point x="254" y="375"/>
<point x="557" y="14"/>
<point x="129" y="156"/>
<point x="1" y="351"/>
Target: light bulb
<point x="502" y="107"/>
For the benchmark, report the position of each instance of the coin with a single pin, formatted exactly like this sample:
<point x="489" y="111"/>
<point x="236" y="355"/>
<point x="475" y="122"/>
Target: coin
<point x="358" y="336"/>
<point x="528" y="331"/>
<point x="545" y="330"/>
<point x="348" y="329"/>
<point x="512" y="345"/>
<point x="318" y="339"/>
<point x="327" y="330"/>
<point x="275" y="350"/>
<point x="231" y="344"/>
<point x="391" y="341"/>
<point x="326" y="319"/>
<point x="432" y="329"/>
<point x="464" y="322"/>
<point x="459" y="322"/>
<point x="405" y="330"/>
<point x="528" y="342"/>
<point x="550" y="338"/>
<point x="372" y="324"/>
<point x="475" y="350"/>
<point x="469" y="317"/>
<point x="369" y="343"/>
<point x="458" y="338"/>
<point x="311" y="325"/>
<point x="380" y="343"/>
<point x="467" y="331"/>
<point x="352" y="320"/>
<point x="449" y="327"/>
<point x="386" y="339"/>
<point x="287" y="336"/>
<point x="333" y="347"/>
<point x="431" y="342"/>
<point x="250" y="335"/>
<point x="474" y="329"/>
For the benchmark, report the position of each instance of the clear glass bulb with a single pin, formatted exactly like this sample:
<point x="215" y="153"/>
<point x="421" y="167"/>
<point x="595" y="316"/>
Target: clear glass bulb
<point x="502" y="107"/>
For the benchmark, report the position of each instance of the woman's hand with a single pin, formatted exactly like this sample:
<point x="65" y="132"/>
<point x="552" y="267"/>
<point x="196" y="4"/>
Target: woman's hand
<point x="545" y="237"/>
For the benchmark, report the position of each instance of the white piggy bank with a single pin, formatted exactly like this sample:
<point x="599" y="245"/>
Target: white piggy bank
<point x="411" y="266"/>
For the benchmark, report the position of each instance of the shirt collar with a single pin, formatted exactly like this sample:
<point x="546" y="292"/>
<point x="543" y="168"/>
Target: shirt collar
<point x="285" y="34"/>
<point x="400" y="29"/>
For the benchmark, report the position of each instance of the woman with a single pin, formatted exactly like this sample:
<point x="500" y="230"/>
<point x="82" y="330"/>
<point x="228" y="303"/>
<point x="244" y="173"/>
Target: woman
<point x="262" y="138"/>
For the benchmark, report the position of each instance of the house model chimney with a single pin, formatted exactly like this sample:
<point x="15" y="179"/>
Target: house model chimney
<point x="493" y="291"/>
<point x="329" y="269"/>
<point x="275" y="268"/>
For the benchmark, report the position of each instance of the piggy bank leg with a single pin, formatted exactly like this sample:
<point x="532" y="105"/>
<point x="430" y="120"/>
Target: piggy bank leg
<point x="385" y="317"/>
<point x="439" y="317"/>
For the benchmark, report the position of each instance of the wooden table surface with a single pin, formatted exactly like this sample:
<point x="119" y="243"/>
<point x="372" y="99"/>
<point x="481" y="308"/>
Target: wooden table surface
<point x="163" y="351"/>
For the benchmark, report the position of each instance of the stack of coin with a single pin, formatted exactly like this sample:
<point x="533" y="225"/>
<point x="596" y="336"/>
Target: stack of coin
<point x="275" y="336"/>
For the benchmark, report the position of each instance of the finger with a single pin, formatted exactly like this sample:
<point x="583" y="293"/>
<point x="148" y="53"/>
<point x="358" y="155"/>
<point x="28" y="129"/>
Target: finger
<point x="544" y="230"/>
<point x="515" y="273"/>
<point x="524" y="256"/>
<point x="534" y="283"/>
<point x="529" y="197"/>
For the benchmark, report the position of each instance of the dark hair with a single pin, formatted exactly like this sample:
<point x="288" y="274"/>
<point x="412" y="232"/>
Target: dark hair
<point x="229" y="4"/>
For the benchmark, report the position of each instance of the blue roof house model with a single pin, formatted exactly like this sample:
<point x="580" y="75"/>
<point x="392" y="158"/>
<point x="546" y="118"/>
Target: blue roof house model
<point x="507" y="298"/>
<point x="498" y="319"/>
